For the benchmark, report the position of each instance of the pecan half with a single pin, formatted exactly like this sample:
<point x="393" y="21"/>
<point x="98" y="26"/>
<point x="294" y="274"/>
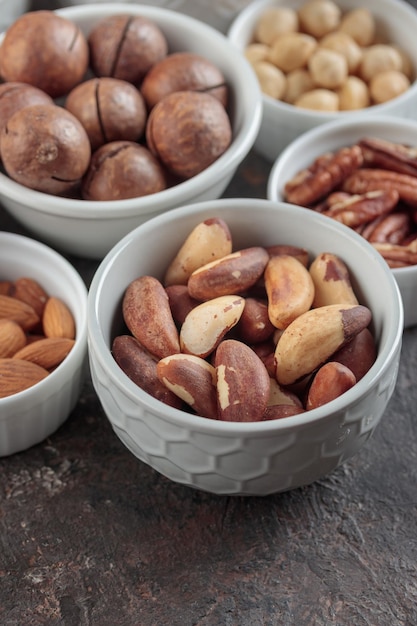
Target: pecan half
<point x="323" y="176"/>
<point x="384" y="154"/>
<point x="364" y="180"/>
<point x="393" y="228"/>
<point x="397" y="255"/>
<point x="361" y="209"/>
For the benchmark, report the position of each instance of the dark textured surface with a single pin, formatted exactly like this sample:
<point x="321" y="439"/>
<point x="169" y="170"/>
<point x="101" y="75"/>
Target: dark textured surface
<point x="91" y="536"/>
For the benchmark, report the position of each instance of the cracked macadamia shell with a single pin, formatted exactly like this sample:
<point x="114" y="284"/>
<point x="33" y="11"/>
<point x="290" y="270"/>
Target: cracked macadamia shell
<point x="46" y="148"/>
<point x="16" y="95"/>
<point x="109" y="109"/>
<point x="187" y="131"/>
<point x="183" y="71"/>
<point x="126" y="47"/>
<point x="44" y="50"/>
<point x="121" y="170"/>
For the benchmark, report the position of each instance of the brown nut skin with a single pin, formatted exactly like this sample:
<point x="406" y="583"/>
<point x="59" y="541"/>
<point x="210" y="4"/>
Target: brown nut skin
<point x="46" y="148"/>
<point x="330" y="381"/>
<point x="122" y="169"/>
<point x="242" y="382"/>
<point x="147" y="315"/>
<point x="254" y="325"/>
<point x="141" y="368"/>
<point x="126" y="47"/>
<point x="188" y="131"/>
<point x="109" y="109"/>
<point x="16" y="95"/>
<point x="359" y="354"/>
<point x="183" y="71"/>
<point x="193" y="380"/>
<point x="45" y="50"/>
<point x="231" y="274"/>
<point x="180" y="302"/>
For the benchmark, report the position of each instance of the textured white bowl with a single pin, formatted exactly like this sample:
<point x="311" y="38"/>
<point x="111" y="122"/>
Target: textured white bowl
<point x="281" y="122"/>
<point x="242" y="458"/>
<point x="332" y="136"/>
<point x="90" y="229"/>
<point x="28" y="417"/>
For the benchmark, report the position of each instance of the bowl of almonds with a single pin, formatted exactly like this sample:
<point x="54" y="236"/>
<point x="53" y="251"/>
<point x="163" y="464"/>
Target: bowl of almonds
<point x="43" y="341"/>
<point x="363" y="174"/>
<point x="321" y="60"/>
<point x="244" y="346"/>
<point x="125" y="112"/>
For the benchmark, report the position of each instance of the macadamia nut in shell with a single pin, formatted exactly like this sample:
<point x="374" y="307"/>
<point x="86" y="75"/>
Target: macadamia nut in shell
<point x="126" y="47"/>
<point x="188" y="131"/>
<point x="183" y="71"/>
<point x="46" y="50"/>
<point x="46" y="148"/>
<point x="109" y="109"/>
<point x="121" y="170"/>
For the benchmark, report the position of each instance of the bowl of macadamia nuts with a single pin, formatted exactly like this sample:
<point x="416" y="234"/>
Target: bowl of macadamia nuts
<point x="128" y="111"/>
<point x="43" y="341"/>
<point x="225" y="358"/>
<point x="320" y="60"/>
<point x="363" y="174"/>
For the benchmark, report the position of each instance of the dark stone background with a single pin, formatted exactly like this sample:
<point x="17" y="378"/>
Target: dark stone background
<point x="90" y="536"/>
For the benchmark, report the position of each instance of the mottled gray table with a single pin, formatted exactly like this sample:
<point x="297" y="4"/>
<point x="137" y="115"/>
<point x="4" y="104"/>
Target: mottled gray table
<point x="91" y="536"/>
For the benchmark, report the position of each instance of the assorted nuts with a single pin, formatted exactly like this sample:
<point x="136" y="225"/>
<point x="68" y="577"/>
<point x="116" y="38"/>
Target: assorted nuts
<point x="371" y="187"/>
<point x="244" y="335"/>
<point x="169" y="107"/>
<point x="37" y="332"/>
<point x="318" y="57"/>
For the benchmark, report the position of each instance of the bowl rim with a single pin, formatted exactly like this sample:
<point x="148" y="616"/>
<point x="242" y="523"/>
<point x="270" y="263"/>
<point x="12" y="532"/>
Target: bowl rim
<point x="74" y="208"/>
<point x="98" y="349"/>
<point x="28" y="245"/>
<point x="317" y="134"/>
<point x="252" y="10"/>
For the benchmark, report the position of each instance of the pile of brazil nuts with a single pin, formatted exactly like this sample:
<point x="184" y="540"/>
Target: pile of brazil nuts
<point x="37" y="332"/>
<point x="370" y="186"/>
<point x="108" y="116"/>
<point x="244" y="335"/>
<point x="318" y="57"/>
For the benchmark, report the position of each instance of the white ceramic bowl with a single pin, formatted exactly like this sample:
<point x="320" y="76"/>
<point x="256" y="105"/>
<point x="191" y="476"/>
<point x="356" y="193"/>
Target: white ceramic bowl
<point x="90" y="229"/>
<point x="10" y="10"/>
<point x="242" y="458"/>
<point x="28" y="417"/>
<point x="281" y="122"/>
<point x="332" y="136"/>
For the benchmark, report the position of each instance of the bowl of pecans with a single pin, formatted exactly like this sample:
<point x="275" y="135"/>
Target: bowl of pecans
<point x="43" y="341"/>
<point x="226" y="360"/>
<point x="322" y="60"/>
<point x="362" y="173"/>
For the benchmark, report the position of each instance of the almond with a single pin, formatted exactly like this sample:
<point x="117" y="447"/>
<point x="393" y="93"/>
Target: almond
<point x="17" y="375"/>
<point x="57" y="319"/>
<point x="48" y="352"/>
<point x="12" y="338"/>
<point x="30" y="291"/>
<point x="18" y="311"/>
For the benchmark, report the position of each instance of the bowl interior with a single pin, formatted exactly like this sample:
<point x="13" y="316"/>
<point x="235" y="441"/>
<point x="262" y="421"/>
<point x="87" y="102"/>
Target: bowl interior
<point x="252" y="222"/>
